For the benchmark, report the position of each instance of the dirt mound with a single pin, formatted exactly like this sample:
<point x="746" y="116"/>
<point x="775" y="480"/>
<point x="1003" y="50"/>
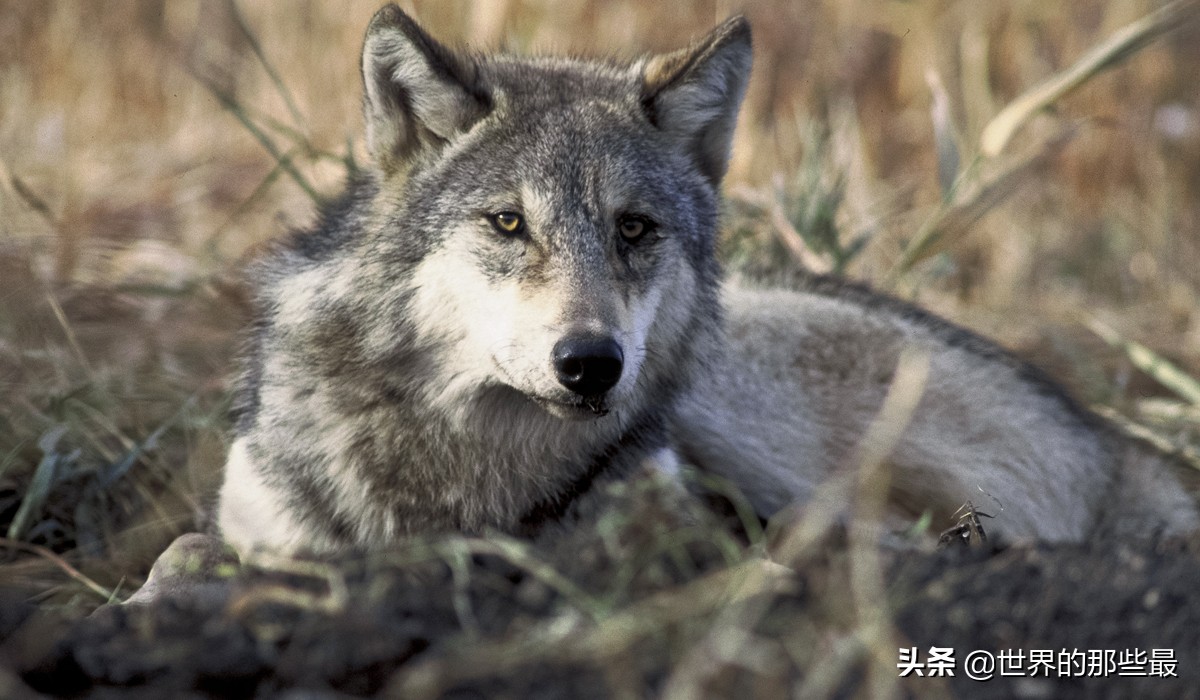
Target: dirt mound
<point x="648" y="606"/>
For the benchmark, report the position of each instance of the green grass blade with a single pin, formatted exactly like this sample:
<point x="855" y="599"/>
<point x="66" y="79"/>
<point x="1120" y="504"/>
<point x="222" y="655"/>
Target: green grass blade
<point x="40" y="484"/>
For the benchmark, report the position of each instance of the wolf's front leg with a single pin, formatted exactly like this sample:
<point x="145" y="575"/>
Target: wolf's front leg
<point x="196" y="567"/>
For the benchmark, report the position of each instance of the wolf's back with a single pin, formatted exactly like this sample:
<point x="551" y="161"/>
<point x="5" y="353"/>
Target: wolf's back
<point x="805" y="375"/>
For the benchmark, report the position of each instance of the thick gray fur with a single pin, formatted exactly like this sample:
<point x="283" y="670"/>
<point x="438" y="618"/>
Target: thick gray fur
<point x="398" y="379"/>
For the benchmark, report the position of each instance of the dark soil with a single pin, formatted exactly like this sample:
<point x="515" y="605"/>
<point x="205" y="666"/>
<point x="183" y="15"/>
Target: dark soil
<point x="423" y="629"/>
<point x="1105" y="596"/>
<point x="429" y="622"/>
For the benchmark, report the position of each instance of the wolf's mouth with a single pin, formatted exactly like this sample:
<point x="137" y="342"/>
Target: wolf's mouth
<point x="596" y="404"/>
<point x="584" y="408"/>
<point x="576" y="407"/>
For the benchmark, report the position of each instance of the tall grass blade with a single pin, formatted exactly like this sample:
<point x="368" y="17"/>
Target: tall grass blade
<point x="943" y="134"/>
<point x="952" y="220"/>
<point x="1162" y="370"/>
<point x="28" y="195"/>
<point x="1121" y="45"/>
<point x="234" y="107"/>
<point x="236" y="14"/>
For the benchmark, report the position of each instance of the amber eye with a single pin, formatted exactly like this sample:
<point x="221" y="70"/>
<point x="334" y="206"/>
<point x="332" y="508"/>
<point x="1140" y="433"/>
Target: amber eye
<point x="633" y="227"/>
<point x="509" y="223"/>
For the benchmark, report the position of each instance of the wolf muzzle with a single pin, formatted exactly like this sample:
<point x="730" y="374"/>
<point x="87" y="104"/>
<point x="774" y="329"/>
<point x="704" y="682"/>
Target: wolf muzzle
<point x="588" y="365"/>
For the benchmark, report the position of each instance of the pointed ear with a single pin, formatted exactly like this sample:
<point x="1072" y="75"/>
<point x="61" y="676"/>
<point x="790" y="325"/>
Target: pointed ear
<point x="695" y="93"/>
<point x="417" y="93"/>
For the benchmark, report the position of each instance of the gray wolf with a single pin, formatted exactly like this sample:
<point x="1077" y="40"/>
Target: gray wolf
<point x="520" y="297"/>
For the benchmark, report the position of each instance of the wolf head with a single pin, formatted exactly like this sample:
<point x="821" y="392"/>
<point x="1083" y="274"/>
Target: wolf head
<point x="560" y="215"/>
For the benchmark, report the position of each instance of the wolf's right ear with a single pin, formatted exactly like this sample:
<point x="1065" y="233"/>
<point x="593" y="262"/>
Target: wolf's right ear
<point x="418" y="93"/>
<point x="694" y="93"/>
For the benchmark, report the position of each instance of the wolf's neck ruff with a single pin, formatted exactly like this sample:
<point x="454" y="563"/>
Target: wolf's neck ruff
<point x="643" y="435"/>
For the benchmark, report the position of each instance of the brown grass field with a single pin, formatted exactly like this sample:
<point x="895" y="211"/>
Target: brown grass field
<point x="148" y="148"/>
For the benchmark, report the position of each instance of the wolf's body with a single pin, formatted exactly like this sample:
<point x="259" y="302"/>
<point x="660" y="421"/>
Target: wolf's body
<point x="522" y="297"/>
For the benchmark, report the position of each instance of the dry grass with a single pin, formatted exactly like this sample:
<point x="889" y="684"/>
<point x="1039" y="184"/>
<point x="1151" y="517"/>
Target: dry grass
<point x="147" y="147"/>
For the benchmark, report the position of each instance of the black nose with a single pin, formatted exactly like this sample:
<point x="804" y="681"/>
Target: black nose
<point x="588" y="365"/>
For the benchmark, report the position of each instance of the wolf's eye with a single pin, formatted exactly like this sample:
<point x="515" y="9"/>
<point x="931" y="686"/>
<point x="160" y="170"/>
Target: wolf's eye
<point x="509" y="223"/>
<point x="633" y="227"/>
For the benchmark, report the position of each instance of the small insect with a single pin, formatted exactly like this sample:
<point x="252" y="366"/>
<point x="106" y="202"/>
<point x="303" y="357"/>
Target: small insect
<point x="969" y="525"/>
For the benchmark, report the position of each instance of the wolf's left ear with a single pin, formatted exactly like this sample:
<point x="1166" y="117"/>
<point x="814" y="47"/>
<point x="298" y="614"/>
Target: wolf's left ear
<point x="695" y="93"/>
<point x="418" y="93"/>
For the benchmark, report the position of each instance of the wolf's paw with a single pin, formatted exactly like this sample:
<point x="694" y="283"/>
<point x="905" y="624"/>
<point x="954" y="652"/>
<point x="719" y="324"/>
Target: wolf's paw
<point x="195" y="566"/>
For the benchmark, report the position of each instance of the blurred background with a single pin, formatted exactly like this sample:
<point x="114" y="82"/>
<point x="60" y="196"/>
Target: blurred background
<point x="148" y="148"/>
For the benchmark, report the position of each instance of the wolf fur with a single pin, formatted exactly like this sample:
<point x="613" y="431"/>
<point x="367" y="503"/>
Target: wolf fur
<point x="404" y="374"/>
